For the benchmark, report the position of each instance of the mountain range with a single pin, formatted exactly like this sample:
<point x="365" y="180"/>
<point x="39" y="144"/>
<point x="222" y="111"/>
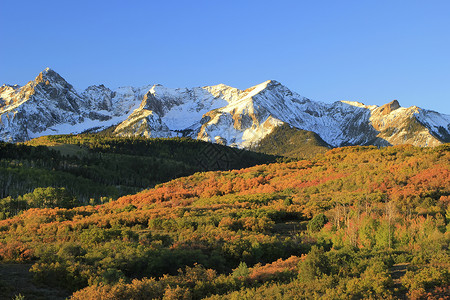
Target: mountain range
<point x="220" y="114"/>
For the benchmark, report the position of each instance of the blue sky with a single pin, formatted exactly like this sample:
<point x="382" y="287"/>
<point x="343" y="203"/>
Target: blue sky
<point x="367" y="51"/>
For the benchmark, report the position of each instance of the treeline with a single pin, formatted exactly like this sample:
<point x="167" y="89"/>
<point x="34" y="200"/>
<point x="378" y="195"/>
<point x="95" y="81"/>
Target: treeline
<point x="95" y="169"/>
<point x="40" y="198"/>
<point x="336" y="227"/>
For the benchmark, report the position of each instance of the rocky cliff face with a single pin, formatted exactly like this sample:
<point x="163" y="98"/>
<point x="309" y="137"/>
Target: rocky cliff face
<point x="50" y="105"/>
<point x="40" y="104"/>
<point x="221" y="114"/>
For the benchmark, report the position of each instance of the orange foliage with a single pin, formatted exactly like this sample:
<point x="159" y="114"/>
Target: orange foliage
<point x="268" y="271"/>
<point x="16" y="251"/>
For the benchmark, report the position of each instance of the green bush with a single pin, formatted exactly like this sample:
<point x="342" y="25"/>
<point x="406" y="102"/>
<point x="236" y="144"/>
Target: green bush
<point x="317" y="222"/>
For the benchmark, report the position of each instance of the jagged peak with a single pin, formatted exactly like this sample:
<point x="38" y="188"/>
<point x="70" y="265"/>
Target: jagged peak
<point x="262" y="86"/>
<point x="97" y="87"/>
<point x="220" y="86"/>
<point x="161" y="90"/>
<point x="11" y="86"/>
<point x="48" y="72"/>
<point x="48" y="75"/>
<point x="394" y="104"/>
<point x="270" y="83"/>
<point x="389" y="107"/>
<point x="358" y="104"/>
<point x="158" y="88"/>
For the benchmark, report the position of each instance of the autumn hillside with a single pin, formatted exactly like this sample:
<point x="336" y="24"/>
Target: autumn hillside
<point x="355" y="222"/>
<point x="75" y="170"/>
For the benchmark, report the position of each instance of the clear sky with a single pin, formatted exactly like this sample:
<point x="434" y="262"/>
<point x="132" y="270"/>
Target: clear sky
<point x="368" y="51"/>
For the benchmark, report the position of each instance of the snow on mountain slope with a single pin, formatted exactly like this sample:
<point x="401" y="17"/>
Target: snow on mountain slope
<point x="437" y="124"/>
<point x="179" y="110"/>
<point x="143" y="122"/>
<point x="221" y="114"/>
<point x="50" y="105"/>
<point x="7" y="93"/>
<point x="271" y="104"/>
<point x="38" y="105"/>
<point x="400" y="125"/>
<point x="341" y="123"/>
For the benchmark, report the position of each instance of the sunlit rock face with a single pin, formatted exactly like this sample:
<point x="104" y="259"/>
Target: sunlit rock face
<point x="218" y="114"/>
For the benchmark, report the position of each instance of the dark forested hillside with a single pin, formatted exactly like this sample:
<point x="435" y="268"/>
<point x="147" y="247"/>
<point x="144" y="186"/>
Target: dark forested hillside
<point x="292" y="142"/>
<point x="76" y="170"/>
<point x="353" y="223"/>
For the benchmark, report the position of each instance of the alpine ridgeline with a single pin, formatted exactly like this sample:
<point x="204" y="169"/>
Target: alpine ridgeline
<point x="220" y="114"/>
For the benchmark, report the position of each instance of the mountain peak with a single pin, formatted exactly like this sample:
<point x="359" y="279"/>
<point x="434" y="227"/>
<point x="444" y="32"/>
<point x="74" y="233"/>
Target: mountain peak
<point x="48" y="76"/>
<point x="268" y="84"/>
<point x="355" y="103"/>
<point x="48" y="72"/>
<point x="271" y="82"/>
<point x="50" y="105"/>
<point x="389" y="107"/>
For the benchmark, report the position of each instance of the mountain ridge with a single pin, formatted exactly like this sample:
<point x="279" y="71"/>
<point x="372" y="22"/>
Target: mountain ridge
<point x="219" y="113"/>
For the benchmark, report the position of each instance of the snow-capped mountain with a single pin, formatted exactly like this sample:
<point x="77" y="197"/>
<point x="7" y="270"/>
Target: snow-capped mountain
<point x="50" y="105"/>
<point x="221" y="114"/>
